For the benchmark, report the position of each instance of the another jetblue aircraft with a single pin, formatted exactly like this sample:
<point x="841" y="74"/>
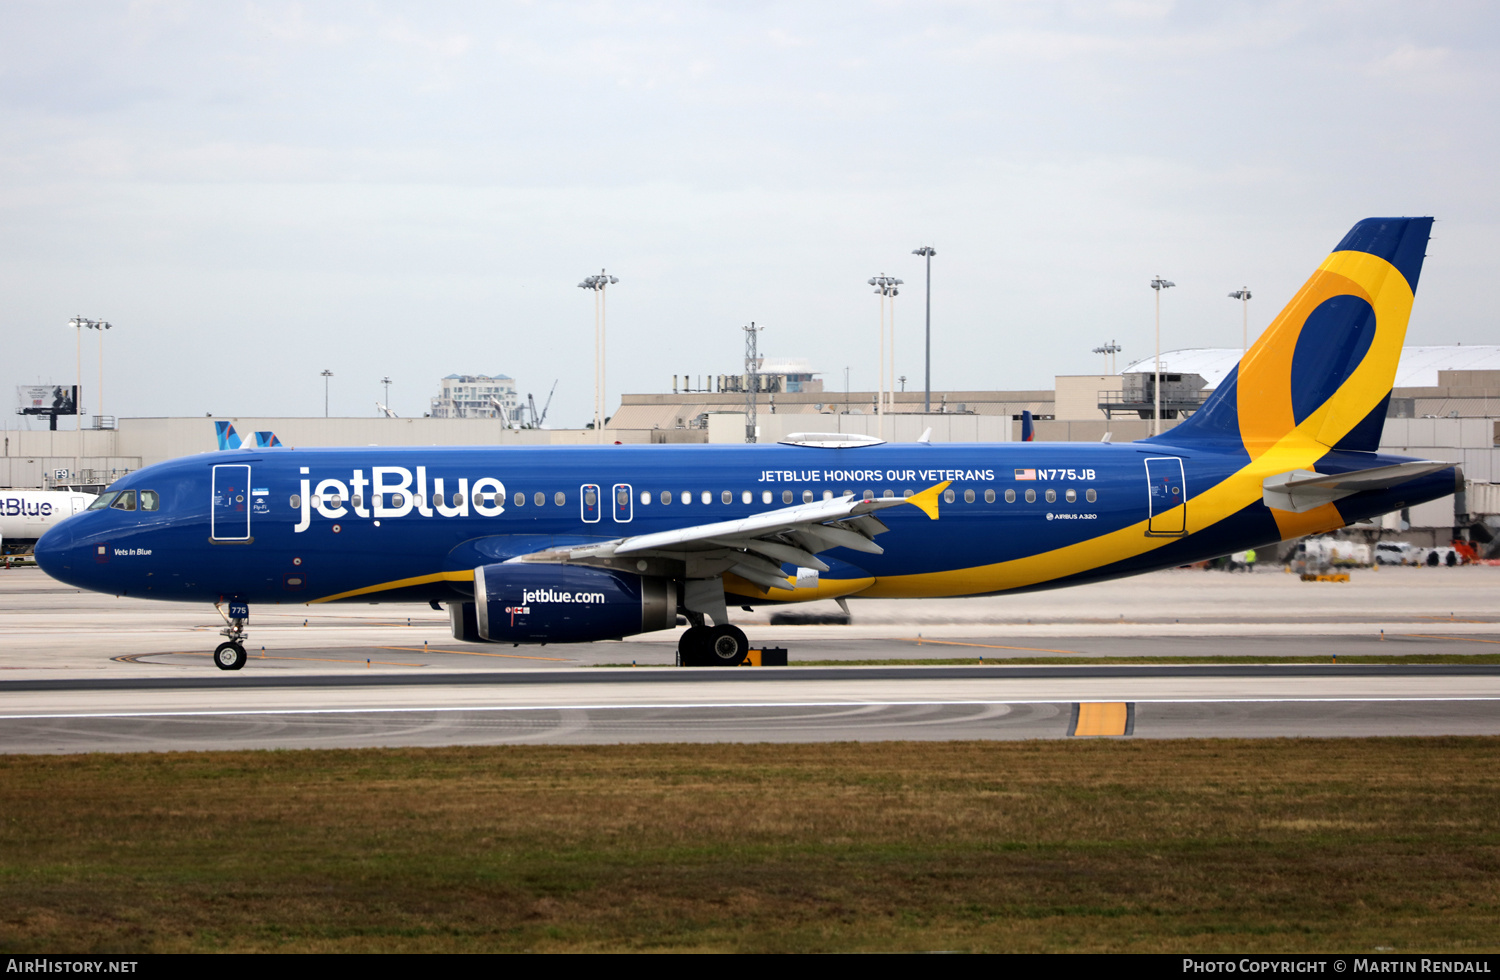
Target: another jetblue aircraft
<point x="573" y="544"/>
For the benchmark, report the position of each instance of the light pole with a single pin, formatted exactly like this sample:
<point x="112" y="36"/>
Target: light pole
<point x="1109" y="351"/>
<point x="80" y="324"/>
<point x="597" y="284"/>
<point x="927" y="251"/>
<point x="886" y="287"/>
<point x="1243" y="295"/>
<point x="386" y="381"/>
<point x="326" y="375"/>
<point x="1158" y="284"/>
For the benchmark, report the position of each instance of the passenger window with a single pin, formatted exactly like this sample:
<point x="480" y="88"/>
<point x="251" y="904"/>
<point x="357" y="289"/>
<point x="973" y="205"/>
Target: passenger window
<point x="727" y="497"/>
<point x="645" y="496"/>
<point x="150" y="500"/>
<point x="869" y="494"/>
<point x="559" y="498"/>
<point x="807" y="496"/>
<point x="949" y="496"/>
<point x="989" y="496"/>
<point x="1072" y="496"/>
<point x="458" y="500"/>
<point x="889" y="494"/>
<point x="104" y="500"/>
<point x="539" y="498"/>
<point x="126" y="501"/>
<point x="296" y="502"/>
<point x="685" y="496"/>
<point x="1051" y="496"/>
<point x="590" y="498"/>
<point x="827" y="494"/>
<point x="1031" y="496"/>
<point x="520" y="499"/>
<point x="906" y="493"/>
<point x="622" y="497"/>
<point x="968" y="496"/>
<point x="666" y="496"/>
<point x="1091" y="496"/>
<point x="786" y="496"/>
<point x="765" y="496"/>
<point x="708" y="497"/>
<point x="359" y="501"/>
<point x="1010" y="496"/>
<point x="746" y="497"/>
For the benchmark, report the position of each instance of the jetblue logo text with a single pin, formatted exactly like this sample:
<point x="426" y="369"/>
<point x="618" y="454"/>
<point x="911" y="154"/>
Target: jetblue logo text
<point x="552" y="595"/>
<point x="395" y="491"/>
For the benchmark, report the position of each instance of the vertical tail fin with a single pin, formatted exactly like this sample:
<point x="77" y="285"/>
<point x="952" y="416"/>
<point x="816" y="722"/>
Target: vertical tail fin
<point x="228" y="438"/>
<point x="266" y="440"/>
<point x="1028" y="430"/>
<point x="1324" y="368"/>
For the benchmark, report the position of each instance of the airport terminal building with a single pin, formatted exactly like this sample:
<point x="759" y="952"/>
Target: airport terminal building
<point x="1445" y="406"/>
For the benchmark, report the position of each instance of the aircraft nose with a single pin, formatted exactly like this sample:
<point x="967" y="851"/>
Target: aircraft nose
<point x="52" y="550"/>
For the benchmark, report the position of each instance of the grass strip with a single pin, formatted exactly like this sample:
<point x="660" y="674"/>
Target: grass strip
<point x="1203" y="845"/>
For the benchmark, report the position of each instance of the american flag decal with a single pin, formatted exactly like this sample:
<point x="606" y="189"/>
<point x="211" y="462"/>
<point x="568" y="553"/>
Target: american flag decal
<point x="1025" y="474"/>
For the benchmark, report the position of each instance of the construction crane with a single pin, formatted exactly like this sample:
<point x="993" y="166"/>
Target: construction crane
<point x="537" y="420"/>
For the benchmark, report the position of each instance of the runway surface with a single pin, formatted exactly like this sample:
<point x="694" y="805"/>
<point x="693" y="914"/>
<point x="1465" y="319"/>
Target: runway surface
<point x="80" y="672"/>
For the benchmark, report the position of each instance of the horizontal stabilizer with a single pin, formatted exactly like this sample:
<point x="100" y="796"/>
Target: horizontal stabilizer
<point x="1302" y="490"/>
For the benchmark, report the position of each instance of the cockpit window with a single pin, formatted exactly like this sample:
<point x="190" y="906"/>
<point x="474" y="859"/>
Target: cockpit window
<point x="150" y="500"/>
<point x="104" y="500"/>
<point x="125" y="501"/>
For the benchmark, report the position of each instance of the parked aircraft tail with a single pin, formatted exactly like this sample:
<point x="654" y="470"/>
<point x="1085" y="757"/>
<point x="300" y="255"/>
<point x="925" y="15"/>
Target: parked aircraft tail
<point x="266" y="440"/>
<point x="1322" y="372"/>
<point x="228" y="438"/>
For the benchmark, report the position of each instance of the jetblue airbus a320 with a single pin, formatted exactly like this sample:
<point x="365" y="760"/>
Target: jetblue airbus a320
<point x="574" y="544"/>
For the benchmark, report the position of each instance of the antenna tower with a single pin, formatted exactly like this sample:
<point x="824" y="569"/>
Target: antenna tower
<point x="752" y="378"/>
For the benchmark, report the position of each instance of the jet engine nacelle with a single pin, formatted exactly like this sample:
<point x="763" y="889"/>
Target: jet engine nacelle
<point x="527" y="602"/>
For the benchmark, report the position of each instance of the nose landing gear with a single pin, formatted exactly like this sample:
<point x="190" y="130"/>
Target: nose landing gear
<point x="230" y="655"/>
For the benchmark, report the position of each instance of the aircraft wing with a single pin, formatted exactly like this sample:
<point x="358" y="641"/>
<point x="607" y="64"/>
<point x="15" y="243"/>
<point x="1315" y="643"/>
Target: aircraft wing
<point x="755" y="547"/>
<point x="1302" y="490"/>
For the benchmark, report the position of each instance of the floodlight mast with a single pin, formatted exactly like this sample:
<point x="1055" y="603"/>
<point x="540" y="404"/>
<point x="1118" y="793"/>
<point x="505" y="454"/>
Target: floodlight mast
<point x="1158" y="284"/>
<point x="597" y="285"/>
<point x="927" y="252"/>
<point x="80" y="324"/>
<point x="885" y="286"/>
<point x="1109" y="351"/>
<point x="326" y="375"/>
<point x="1243" y="295"/>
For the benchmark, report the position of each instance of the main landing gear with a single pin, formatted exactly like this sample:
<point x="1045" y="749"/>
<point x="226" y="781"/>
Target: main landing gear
<point x="230" y="655"/>
<point x="713" y="646"/>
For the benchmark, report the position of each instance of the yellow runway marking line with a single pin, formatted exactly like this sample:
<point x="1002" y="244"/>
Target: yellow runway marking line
<point x="1466" y="639"/>
<point x="920" y="641"/>
<point x="1450" y="619"/>
<point x="476" y="653"/>
<point x="1102" y="718"/>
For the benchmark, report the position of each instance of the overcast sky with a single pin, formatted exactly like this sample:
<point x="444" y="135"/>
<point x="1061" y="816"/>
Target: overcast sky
<point x="254" y="192"/>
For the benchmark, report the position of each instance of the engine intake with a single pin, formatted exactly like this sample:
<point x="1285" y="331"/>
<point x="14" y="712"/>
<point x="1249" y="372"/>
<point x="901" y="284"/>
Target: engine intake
<point x="524" y="602"/>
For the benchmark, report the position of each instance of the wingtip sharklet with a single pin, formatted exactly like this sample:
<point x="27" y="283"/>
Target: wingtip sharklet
<point x="927" y="500"/>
